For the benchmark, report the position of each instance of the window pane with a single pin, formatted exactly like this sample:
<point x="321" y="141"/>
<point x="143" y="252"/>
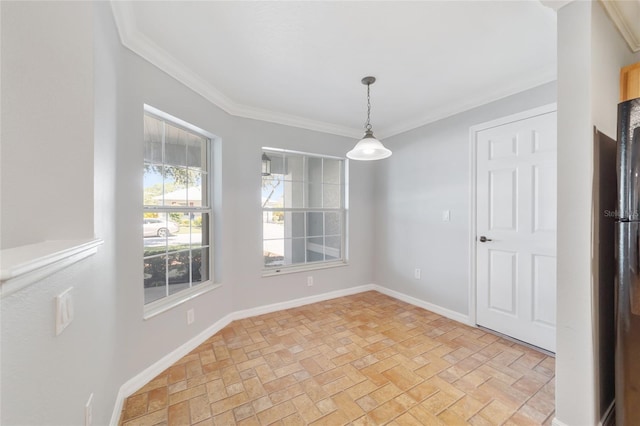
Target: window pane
<point x="178" y="271"/>
<point x="294" y="225"/>
<point x="332" y="223"/>
<point x="196" y="229"/>
<point x="315" y="224"/>
<point x="175" y="146"/>
<point x="272" y="192"/>
<point x="314" y="167"/>
<point x="199" y="265"/>
<point x="331" y="196"/>
<point x="332" y="248"/>
<point x="296" y="252"/>
<point x="152" y="184"/>
<point x="273" y="251"/>
<point x="196" y="152"/>
<point x="315" y="195"/>
<point x="175" y="192"/>
<point x="315" y="249"/>
<point x="177" y="231"/>
<point x="195" y="193"/>
<point x="273" y="234"/>
<point x="294" y="195"/>
<point x="155" y="285"/>
<point x="331" y="171"/>
<point x="295" y="168"/>
<point x="153" y="129"/>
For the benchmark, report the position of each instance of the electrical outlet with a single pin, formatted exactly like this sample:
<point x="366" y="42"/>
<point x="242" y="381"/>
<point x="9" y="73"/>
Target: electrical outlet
<point x="309" y="281"/>
<point x="64" y="310"/>
<point x="416" y="273"/>
<point x="191" y="316"/>
<point x="88" y="411"/>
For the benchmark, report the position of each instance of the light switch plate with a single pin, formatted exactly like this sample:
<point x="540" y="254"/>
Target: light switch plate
<point x="64" y="310"/>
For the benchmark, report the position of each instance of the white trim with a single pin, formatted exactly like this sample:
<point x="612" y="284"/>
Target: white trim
<point x="146" y="375"/>
<point x="556" y="422"/>
<point x="622" y="23"/>
<point x="137" y="42"/>
<point x="25" y="265"/>
<point x="267" y="309"/>
<point x="556" y="5"/>
<point x="456" y="316"/>
<point x="468" y="104"/>
<point x="169" y="302"/>
<point x="142" y="378"/>
<point x="312" y="266"/>
<point x="473" y="131"/>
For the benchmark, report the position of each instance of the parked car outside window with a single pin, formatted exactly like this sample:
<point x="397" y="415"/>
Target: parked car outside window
<point x="159" y="228"/>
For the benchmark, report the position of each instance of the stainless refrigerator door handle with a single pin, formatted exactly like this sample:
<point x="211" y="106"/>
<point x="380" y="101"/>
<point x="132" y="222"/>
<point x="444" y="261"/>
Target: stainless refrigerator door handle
<point x="484" y="239"/>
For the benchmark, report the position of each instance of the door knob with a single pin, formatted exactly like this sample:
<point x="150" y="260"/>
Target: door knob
<point x="484" y="239"/>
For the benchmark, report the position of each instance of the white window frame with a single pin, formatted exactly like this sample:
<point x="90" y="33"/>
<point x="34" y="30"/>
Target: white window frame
<point x="344" y="210"/>
<point x="156" y="307"/>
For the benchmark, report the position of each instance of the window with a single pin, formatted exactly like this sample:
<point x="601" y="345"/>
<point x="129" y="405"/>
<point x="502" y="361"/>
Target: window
<point x="177" y="209"/>
<point x="304" y="211"/>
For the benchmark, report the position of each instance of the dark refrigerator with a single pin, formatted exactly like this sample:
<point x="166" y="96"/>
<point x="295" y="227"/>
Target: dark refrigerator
<point x="627" y="350"/>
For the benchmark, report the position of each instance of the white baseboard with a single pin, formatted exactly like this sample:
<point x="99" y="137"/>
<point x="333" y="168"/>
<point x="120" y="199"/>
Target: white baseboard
<point x="145" y="376"/>
<point x="456" y="316"/>
<point x="267" y="309"/>
<point x="606" y="417"/>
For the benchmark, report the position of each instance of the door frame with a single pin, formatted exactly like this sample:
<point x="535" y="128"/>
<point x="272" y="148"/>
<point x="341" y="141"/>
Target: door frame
<point x="473" y="211"/>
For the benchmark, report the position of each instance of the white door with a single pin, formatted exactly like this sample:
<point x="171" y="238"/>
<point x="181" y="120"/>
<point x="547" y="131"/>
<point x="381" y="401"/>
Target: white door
<point x="516" y="229"/>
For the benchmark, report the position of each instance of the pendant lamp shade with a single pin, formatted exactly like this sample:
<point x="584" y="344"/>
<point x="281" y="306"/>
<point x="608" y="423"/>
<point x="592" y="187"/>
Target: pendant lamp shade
<point x="368" y="148"/>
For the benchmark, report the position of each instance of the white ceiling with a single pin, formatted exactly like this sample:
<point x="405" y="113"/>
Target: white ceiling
<point x="300" y="63"/>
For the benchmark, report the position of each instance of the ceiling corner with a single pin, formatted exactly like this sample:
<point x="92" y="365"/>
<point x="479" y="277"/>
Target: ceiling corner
<point x="623" y="14"/>
<point x="555" y="4"/>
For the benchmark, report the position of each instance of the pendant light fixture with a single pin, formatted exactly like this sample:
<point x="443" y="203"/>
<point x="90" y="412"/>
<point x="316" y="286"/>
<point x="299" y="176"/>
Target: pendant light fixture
<point x="368" y="148"/>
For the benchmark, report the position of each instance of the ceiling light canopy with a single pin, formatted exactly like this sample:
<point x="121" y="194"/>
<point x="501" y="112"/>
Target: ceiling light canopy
<point x="368" y="148"/>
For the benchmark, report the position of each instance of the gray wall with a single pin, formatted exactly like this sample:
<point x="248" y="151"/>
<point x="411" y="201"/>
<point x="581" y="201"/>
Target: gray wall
<point x="427" y="174"/>
<point x="52" y="97"/>
<point x="109" y="342"/>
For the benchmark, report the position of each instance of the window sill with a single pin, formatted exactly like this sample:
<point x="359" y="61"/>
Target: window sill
<point x="302" y="268"/>
<point x="25" y="265"/>
<point x="159" y="306"/>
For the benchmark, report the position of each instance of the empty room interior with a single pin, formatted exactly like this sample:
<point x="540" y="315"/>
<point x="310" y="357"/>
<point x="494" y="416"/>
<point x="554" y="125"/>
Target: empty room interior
<point x="261" y="213"/>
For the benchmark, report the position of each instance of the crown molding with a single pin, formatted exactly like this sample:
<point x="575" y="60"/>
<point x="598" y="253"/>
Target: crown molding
<point x="138" y="43"/>
<point x="623" y="20"/>
<point x="471" y="103"/>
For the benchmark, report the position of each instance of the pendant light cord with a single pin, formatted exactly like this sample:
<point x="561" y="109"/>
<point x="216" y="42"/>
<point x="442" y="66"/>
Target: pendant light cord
<point x="367" y="125"/>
